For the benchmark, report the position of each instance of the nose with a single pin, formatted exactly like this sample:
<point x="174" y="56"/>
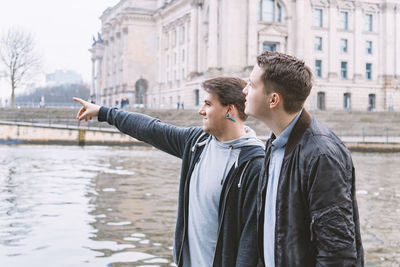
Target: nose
<point x="245" y="90"/>
<point x="201" y="111"/>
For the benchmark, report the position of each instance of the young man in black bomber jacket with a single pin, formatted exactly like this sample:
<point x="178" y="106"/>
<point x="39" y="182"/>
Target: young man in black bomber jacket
<point x="307" y="208"/>
<point x="221" y="162"/>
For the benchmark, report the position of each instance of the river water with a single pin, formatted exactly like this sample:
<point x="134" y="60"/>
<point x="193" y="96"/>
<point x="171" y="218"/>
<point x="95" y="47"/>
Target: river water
<point x="114" y="206"/>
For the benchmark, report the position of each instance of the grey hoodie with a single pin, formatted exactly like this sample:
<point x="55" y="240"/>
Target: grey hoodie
<point x="206" y="184"/>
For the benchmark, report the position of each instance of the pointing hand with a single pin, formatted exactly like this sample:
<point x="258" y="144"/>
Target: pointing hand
<point x="87" y="111"/>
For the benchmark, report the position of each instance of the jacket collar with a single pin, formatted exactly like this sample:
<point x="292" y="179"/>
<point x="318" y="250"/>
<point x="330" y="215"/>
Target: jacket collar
<point x="299" y="129"/>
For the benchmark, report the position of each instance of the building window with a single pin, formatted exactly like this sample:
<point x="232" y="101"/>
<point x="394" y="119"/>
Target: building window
<point x="183" y="74"/>
<point x="271" y="11"/>
<point x="343" y="45"/>
<point x="318" y="43"/>
<point x="197" y="97"/>
<point x="268" y="10"/>
<point x="343" y="69"/>
<point x="279" y="19"/>
<point x="166" y="38"/>
<point x="318" y="17"/>
<point x="318" y="68"/>
<point x="174" y="36"/>
<point x="371" y="102"/>
<point x="369" y="47"/>
<point x="368" y="71"/>
<point x="167" y="61"/>
<point x="175" y="58"/>
<point x="269" y="47"/>
<point x="321" y="100"/>
<point x="344" y="20"/>
<point x="347" y="101"/>
<point x="368" y="22"/>
<point x="183" y="34"/>
<point x="183" y="55"/>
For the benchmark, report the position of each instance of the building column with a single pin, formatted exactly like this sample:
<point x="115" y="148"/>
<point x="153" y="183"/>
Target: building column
<point x="333" y="42"/>
<point x="397" y="41"/>
<point x="389" y="35"/>
<point x="193" y="43"/>
<point x="359" y="42"/>
<point x="389" y="52"/>
<point x="212" y="54"/>
<point x="252" y="18"/>
<point x="98" y="78"/>
<point x="300" y="29"/>
<point x="92" y="87"/>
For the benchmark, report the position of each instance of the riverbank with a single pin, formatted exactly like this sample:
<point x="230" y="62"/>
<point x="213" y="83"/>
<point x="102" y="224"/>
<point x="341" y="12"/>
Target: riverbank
<point x="360" y="131"/>
<point x="17" y="133"/>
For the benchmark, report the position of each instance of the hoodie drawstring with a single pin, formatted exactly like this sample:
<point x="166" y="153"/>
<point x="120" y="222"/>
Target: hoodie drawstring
<point x="226" y="163"/>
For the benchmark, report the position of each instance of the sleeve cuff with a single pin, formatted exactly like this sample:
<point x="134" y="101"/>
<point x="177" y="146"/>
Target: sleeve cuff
<point x="103" y="113"/>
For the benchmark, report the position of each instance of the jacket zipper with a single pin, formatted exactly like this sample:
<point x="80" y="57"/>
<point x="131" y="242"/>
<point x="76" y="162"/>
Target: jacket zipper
<point x="311" y="228"/>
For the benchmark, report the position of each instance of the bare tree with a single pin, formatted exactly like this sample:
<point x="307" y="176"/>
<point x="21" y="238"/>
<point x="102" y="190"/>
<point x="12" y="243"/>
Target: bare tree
<point x="18" y="57"/>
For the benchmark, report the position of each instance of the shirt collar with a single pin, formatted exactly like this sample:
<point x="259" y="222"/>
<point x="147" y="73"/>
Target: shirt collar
<point x="282" y="139"/>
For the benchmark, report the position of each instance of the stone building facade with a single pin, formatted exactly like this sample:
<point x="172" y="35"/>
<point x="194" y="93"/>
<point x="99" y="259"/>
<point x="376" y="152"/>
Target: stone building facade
<point x="156" y="53"/>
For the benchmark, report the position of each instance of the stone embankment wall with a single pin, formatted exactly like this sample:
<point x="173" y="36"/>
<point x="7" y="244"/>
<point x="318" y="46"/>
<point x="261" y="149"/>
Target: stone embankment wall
<point x="374" y="130"/>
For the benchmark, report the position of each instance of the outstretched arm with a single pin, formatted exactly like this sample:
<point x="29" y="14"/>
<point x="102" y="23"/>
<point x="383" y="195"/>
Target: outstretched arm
<point x="166" y="137"/>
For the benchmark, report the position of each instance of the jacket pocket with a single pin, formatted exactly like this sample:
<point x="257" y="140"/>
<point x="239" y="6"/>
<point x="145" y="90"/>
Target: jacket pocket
<point x="332" y="229"/>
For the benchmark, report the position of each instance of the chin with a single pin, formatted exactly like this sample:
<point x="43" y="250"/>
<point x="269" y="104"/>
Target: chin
<point x="206" y="129"/>
<point x="248" y="112"/>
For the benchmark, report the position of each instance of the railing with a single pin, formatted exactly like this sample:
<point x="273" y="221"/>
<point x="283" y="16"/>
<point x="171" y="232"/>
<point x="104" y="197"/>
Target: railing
<point x="361" y="135"/>
<point x="54" y="121"/>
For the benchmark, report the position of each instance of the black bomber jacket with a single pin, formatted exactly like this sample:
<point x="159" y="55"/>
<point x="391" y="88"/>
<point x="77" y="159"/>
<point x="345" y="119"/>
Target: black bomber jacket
<point x="317" y="221"/>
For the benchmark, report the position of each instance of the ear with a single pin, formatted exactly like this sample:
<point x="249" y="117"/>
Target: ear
<point x="274" y="100"/>
<point x="230" y="108"/>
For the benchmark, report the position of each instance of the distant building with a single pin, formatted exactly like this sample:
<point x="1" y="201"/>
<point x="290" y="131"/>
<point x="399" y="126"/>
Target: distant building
<point x="61" y="77"/>
<point x="157" y="52"/>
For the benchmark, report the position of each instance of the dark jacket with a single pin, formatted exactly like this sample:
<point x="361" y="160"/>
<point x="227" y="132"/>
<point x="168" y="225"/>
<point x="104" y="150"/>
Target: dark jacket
<point x="317" y="221"/>
<point x="237" y="234"/>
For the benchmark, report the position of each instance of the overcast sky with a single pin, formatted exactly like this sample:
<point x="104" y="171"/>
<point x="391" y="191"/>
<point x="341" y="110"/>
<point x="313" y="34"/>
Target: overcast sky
<point x="63" y="30"/>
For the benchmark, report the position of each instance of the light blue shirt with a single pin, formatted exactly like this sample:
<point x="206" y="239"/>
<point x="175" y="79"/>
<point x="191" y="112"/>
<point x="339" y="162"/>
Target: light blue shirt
<point x="274" y="170"/>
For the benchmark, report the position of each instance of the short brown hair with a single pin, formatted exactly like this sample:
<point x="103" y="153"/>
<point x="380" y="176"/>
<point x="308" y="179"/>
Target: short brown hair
<point x="288" y="76"/>
<point x="228" y="91"/>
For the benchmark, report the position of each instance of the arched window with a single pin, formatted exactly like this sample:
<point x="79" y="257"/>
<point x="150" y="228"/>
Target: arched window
<point x="270" y="11"/>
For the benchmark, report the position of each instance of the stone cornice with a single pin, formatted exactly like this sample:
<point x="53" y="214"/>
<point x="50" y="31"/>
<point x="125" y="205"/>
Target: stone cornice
<point x="178" y="22"/>
<point x="135" y="17"/>
<point x="389" y="6"/>
<point x="346" y="5"/>
<point x="174" y="5"/>
<point x="321" y="3"/>
<point x="370" y="8"/>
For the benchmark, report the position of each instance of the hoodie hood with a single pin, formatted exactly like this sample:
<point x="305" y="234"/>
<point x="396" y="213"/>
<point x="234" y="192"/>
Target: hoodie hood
<point x="249" y="139"/>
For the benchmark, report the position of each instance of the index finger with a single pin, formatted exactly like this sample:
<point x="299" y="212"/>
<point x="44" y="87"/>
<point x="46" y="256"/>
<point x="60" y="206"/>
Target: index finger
<point x="81" y="101"/>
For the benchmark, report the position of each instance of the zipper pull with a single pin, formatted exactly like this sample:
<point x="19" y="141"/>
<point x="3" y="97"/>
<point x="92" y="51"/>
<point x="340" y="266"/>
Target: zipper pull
<point x="311" y="228"/>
